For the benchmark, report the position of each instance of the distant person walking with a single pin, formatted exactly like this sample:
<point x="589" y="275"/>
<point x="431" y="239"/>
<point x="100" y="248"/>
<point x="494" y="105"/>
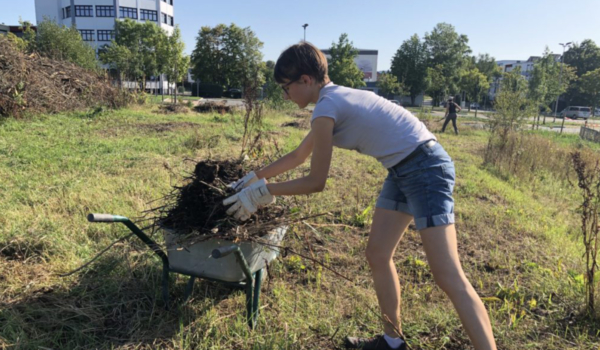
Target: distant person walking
<point x="451" y="109"/>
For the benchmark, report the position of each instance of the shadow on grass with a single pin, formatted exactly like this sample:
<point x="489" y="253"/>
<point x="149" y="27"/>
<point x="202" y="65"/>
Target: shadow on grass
<point x="110" y="305"/>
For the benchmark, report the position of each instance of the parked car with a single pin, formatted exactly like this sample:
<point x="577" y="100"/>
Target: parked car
<point x="396" y="102"/>
<point x="576" y="112"/>
<point x="233" y="93"/>
<point x="474" y="105"/>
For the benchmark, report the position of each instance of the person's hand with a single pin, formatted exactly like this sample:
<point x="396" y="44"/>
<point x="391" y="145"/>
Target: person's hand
<point x="249" y="200"/>
<point x="244" y="182"/>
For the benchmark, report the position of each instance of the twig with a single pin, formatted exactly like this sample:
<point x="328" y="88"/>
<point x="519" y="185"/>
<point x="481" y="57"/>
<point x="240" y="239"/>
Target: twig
<point x="213" y="187"/>
<point x="289" y="250"/>
<point x="96" y="257"/>
<point x="386" y="319"/>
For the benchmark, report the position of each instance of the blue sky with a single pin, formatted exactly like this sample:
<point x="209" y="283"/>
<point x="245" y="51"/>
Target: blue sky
<point x="509" y="29"/>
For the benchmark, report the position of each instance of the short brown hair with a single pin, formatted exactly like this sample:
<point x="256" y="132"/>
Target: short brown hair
<point x="297" y="60"/>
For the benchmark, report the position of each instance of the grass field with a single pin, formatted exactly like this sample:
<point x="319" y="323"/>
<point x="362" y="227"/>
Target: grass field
<point x="518" y="243"/>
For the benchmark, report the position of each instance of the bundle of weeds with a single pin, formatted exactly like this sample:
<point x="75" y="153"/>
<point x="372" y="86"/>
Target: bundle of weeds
<point x="210" y="107"/>
<point x="195" y="210"/>
<point x="35" y="84"/>
<point x="173" y="108"/>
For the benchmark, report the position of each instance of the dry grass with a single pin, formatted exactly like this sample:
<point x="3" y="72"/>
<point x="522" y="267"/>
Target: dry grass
<point x="516" y="244"/>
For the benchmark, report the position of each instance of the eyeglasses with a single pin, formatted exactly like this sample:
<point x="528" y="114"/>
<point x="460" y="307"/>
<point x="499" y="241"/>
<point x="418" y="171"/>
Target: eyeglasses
<point x="286" y="88"/>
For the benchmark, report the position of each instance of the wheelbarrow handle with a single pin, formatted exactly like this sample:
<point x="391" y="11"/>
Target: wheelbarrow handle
<point x="221" y="252"/>
<point x="106" y="218"/>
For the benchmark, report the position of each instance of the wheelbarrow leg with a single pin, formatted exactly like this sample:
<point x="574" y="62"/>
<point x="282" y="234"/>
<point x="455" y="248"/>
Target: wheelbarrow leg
<point x="249" y="302"/>
<point x="165" y="284"/>
<point x="189" y="288"/>
<point x="256" y="296"/>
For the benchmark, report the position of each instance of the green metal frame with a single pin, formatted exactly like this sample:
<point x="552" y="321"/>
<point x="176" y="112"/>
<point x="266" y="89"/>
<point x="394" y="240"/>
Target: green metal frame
<point x="252" y="284"/>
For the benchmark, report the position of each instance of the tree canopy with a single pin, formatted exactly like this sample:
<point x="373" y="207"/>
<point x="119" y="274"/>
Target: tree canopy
<point x="409" y="66"/>
<point x="226" y="55"/>
<point x="342" y="68"/>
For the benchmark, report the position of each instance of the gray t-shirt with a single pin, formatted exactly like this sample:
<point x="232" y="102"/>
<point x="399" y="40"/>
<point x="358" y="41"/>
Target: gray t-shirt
<point x="370" y="124"/>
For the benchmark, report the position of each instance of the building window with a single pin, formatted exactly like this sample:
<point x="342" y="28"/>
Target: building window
<point x="171" y="2"/>
<point x="106" y="35"/>
<point x="87" y="34"/>
<point x="128" y="12"/>
<point x="171" y="21"/>
<point x="105" y="11"/>
<point x="84" y="11"/>
<point x="149" y="15"/>
<point x="164" y="18"/>
<point x="67" y="12"/>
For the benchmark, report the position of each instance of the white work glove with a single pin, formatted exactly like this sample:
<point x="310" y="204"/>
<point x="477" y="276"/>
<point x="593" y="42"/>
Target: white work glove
<point x="248" y="200"/>
<point x="244" y="182"/>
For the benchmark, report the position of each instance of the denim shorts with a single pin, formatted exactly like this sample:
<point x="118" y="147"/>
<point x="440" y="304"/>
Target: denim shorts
<point x="422" y="187"/>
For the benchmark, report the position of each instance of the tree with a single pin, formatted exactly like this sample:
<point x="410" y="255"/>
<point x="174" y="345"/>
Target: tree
<point x="144" y="42"/>
<point x="117" y="57"/>
<point x="560" y="79"/>
<point x="538" y="85"/>
<point x="142" y="50"/>
<point x="436" y="84"/>
<point x="589" y="83"/>
<point x="226" y="56"/>
<point x="513" y="107"/>
<point x="583" y="58"/>
<point x="389" y="85"/>
<point x="475" y="84"/>
<point x="249" y="67"/>
<point x="176" y="63"/>
<point x="342" y="68"/>
<point x="547" y="83"/>
<point x="409" y="66"/>
<point x="272" y="92"/>
<point x="486" y="64"/>
<point x="448" y="52"/>
<point x="62" y="43"/>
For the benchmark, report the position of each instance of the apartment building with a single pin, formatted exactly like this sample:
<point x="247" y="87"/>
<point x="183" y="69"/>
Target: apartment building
<point x="95" y="18"/>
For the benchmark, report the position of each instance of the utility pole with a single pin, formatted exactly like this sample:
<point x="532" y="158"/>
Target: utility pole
<point x="304" y="26"/>
<point x="562" y="61"/>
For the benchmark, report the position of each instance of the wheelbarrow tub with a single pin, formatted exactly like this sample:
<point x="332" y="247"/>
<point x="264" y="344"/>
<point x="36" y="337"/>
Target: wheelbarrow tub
<point x="196" y="260"/>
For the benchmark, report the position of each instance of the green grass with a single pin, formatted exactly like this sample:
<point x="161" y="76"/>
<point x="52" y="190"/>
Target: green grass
<point x="517" y="242"/>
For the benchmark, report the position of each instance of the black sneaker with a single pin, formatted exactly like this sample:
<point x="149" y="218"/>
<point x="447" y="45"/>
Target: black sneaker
<point x="375" y="343"/>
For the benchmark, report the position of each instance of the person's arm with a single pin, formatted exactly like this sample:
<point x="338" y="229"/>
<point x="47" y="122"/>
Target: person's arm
<point x="447" y="110"/>
<point x="458" y="107"/>
<point x="289" y="161"/>
<point x="322" y="135"/>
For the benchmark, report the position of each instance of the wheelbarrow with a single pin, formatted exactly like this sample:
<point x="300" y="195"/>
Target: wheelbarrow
<point x="238" y="265"/>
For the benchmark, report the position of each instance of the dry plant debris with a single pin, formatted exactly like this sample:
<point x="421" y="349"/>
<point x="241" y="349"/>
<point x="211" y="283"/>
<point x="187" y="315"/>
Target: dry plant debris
<point x="173" y="108"/>
<point x="196" y="210"/>
<point x="38" y="84"/>
<point x="211" y="106"/>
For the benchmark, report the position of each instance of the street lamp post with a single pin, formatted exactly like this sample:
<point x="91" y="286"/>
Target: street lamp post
<point x="304" y="26"/>
<point x="562" y="61"/>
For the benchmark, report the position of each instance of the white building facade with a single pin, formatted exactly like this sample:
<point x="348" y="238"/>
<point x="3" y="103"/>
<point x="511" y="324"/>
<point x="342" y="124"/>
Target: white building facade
<point x="95" y="19"/>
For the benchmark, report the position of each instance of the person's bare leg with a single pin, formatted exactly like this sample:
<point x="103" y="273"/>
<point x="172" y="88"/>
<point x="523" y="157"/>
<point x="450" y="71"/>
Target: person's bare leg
<point x="442" y="254"/>
<point x="386" y="231"/>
